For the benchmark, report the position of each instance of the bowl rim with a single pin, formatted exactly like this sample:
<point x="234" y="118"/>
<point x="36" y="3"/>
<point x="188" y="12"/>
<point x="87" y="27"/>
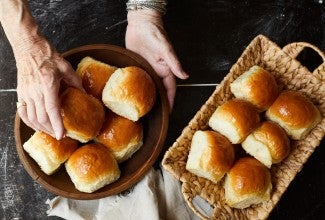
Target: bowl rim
<point x="142" y="171"/>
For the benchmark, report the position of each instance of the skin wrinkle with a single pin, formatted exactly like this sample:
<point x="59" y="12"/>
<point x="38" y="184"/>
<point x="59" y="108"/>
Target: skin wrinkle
<point x="159" y="54"/>
<point x="41" y="68"/>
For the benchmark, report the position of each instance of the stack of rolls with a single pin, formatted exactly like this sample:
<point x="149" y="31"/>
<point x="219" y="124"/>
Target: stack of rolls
<point x="260" y="118"/>
<point x="103" y="125"/>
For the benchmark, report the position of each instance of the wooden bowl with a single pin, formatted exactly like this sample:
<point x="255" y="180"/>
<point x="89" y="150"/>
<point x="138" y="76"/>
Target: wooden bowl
<point x="155" y="125"/>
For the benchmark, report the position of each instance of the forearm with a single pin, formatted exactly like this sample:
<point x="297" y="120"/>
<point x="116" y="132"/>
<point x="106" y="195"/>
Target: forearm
<point x="19" y="25"/>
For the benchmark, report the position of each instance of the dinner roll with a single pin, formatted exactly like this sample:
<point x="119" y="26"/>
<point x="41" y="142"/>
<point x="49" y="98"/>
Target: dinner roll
<point x="94" y="75"/>
<point x="295" y="113"/>
<point x="247" y="183"/>
<point x="82" y="115"/>
<point x="257" y="86"/>
<point x="48" y="152"/>
<point x="211" y="155"/>
<point x="122" y="136"/>
<point x="235" y="119"/>
<point x="130" y="92"/>
<point x="92" y="167"/>
<point x="269" y="143"/>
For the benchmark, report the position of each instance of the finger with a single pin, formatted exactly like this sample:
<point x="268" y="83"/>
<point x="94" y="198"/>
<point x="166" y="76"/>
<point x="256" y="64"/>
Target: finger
<point x="32" y="116"/>
<point x="173" y="63"/>
<point x="170" y="85"/>
<point x="70" y="76"/>
<point x="22" y="112"/>
<point x="22" y="109"/>
<point x="52" y="106"/>
<point x="168" y="78"/>
<point x="43" y="118"/>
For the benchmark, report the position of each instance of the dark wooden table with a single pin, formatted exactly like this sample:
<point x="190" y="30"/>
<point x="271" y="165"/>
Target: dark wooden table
<point x="208" y="37"/>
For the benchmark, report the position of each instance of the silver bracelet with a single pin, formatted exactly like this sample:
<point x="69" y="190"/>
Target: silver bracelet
<point x="159" y="5"/>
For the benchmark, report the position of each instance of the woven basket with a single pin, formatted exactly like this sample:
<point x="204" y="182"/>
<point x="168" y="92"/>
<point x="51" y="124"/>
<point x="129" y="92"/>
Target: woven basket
<point x="290" y="74"/>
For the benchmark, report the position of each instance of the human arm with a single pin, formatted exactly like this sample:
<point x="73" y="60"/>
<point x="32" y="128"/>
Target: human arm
<point x="40" y="69"/>
<point x="146" y="36"/>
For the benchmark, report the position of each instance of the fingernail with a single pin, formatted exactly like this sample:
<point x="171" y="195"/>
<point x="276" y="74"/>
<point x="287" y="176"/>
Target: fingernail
<point x="185" y="75"/>
<point x="57" y="136"/>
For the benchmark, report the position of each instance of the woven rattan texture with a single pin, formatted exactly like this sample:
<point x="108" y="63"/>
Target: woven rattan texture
<point x="290" y="74"/>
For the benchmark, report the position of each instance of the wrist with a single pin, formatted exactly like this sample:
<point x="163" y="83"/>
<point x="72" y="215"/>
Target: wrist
<point x="38" y="48"/>
<point x="157" y="5"/>
<point x="144" y="15"/>
<point x="28" y="43"/>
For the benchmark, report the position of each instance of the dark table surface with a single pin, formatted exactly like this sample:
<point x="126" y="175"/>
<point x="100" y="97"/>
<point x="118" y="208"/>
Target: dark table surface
<point x="208" y="36"/>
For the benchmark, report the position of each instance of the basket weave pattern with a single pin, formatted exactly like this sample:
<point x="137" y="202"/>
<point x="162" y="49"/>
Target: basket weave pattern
<point x="290" y="74"/>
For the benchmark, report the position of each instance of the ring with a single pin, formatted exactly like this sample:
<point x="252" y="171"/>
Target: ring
<point x="20" y="104"/>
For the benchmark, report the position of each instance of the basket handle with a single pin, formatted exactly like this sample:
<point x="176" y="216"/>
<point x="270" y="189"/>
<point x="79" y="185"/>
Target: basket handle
<point x="189" y="194"/>
<point x="294" y="49"/>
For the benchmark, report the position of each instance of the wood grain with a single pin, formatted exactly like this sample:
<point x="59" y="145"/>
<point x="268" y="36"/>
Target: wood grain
<point x="155" y="125"/>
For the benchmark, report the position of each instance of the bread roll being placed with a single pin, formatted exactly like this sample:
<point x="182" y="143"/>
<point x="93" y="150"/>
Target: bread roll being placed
<point x="94" y="75"/>
<point x="257" y="86"/>
<point x="130" y="92"/>
<point x="121" y="136"/>
<point x="295" y="113"/>
<point x="82" y="115"/>
<point x="269" y="143"/>
<point x="235" y="119"/>
<point x="48" y="152"/>
<point x="92" y="167"/>
<point x="211" y="155"/>
<point x="247" y="183"/>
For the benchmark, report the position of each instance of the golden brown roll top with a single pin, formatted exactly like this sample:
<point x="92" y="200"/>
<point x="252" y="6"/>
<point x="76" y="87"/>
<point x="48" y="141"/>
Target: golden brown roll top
<point x="121" y="136"/>
<point x="48" y="152"/>
<point x="295" y="113"/>
<point x="91" y="167"/>
<point x="130" y="92"/>
<point x="211" y="155"/>
<point x="82" y="115"/>
<point x="247" y="183"/>
<point x="269" y="143"/>
<point x="235" y="119"/>
<point x="257" y="86"/>
<point x="94" y="75"/>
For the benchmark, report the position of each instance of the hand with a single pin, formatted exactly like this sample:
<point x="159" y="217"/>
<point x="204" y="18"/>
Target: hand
<point x="40" y="70"/>
<point x="146" y="36"/>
